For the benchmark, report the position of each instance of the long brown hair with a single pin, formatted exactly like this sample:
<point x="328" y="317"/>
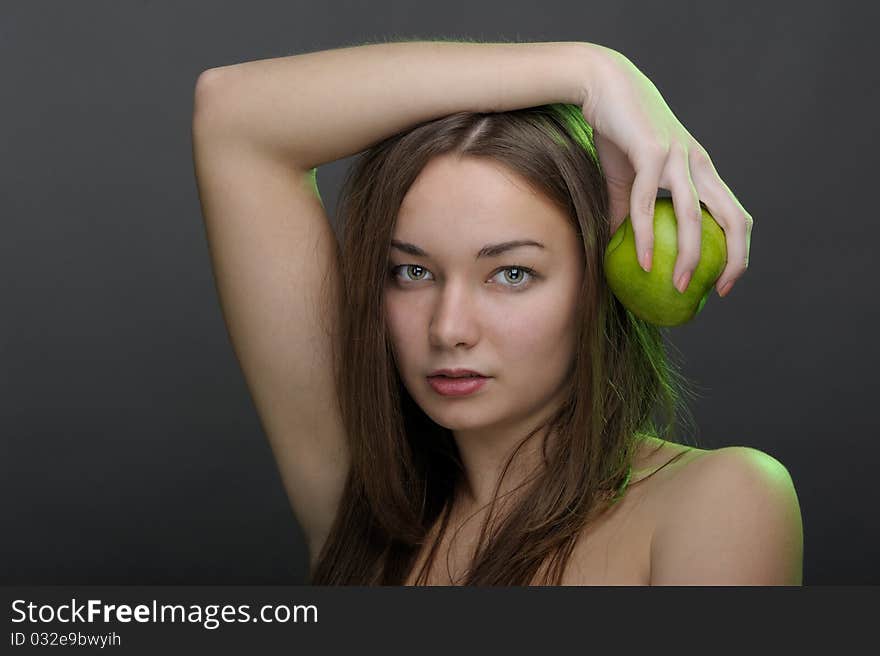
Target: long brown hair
<point x="405" y="467"/>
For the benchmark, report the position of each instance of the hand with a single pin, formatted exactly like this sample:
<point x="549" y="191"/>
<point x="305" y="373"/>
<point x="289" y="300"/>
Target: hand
<point x="641" y="147"/>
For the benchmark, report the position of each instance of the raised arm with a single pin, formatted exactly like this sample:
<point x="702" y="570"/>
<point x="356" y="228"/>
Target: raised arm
<point x="315" y="108"/>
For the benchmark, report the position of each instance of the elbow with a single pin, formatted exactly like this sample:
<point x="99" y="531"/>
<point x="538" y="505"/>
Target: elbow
<point x="205" y="98"/>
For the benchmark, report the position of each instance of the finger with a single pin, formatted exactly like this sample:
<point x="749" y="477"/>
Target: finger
<point x="688" y="215"/>
<point x="649" y="165"/>
<point x="738" y="236"/>
<point x="729" y="213"/>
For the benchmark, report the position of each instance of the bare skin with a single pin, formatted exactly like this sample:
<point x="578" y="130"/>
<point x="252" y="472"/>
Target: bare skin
<point x="616" y="550"/>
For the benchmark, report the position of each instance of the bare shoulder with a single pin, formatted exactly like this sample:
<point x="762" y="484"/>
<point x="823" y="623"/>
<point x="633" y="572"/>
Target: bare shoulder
<point x="616" y="548"/>
<point x="661" y="460"/>
<point x="728" y="516"/>
<point x="740" y="471"/>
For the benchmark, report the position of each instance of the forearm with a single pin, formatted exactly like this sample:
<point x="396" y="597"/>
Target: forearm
<point x="318" y="107"/>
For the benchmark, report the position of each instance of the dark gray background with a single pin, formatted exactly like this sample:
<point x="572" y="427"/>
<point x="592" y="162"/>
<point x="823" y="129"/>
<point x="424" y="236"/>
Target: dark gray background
<point x="131" y="451"/>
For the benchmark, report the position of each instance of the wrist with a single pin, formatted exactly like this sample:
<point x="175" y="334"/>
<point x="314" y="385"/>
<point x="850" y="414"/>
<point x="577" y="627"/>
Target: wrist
<point x="593" y="59"/>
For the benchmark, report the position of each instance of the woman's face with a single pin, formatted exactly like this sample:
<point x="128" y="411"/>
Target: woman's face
<point x="451" y="308"/>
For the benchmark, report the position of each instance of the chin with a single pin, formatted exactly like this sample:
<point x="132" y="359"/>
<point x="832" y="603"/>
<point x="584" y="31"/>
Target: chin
<point x="457" y="418"/>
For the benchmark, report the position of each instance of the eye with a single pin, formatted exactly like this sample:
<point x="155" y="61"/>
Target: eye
<point x="518" y="272"/>
<point x="419" y="271"/>
<point x="513" y="273"/>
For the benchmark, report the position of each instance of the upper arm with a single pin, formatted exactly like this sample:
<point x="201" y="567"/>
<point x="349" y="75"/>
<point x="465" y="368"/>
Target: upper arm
<point x="733" y="519"/>
<point x="275" y="258"/>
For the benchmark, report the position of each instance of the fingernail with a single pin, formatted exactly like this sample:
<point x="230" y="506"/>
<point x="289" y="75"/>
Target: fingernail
<point x="646" y="259"/>
<point x="683" y="281"/>
<point x="725" y="289"/>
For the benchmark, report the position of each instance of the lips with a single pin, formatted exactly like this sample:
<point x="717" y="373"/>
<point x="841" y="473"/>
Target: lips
<point x="456" y="373"/>
<point x="455" y="377"/>
<point x="457" y="386"/>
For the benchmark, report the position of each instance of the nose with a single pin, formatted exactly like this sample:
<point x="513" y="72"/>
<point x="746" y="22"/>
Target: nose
<point x="454" y="320"/>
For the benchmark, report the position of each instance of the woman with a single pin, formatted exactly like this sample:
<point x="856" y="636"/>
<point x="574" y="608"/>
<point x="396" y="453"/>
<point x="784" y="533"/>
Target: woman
<point x="548" y="468"/>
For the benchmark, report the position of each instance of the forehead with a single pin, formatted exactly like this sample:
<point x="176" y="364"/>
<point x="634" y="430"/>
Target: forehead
<point x="477" y="199"/>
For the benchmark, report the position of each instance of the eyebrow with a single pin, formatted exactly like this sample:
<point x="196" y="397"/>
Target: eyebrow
<point x="489" y="250"/>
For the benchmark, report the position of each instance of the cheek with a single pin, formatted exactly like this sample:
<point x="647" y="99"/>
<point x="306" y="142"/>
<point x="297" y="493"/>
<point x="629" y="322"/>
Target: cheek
<point x="401" y="324"/>
<point x="542" y="329"/>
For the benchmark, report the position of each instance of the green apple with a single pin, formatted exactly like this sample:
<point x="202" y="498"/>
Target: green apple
<point x="651" y="295"/>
